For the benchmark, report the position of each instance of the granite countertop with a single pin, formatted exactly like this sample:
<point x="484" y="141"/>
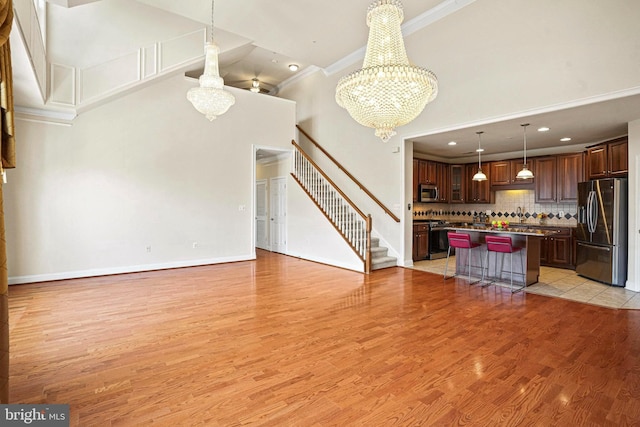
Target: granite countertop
<point x="512" y="225"/>
<point x="525" y="231"/>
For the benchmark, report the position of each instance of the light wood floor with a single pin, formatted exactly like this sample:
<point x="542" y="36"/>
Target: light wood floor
<point x="284" y="342"/>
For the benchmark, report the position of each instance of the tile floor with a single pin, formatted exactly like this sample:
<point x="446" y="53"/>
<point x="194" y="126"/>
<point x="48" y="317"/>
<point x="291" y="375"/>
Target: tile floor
<point x="561" y="283"/>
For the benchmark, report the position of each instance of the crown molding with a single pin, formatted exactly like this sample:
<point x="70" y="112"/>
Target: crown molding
<point x="421" y="21"/>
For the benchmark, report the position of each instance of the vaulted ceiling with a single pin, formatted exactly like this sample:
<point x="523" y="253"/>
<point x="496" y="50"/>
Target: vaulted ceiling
<point x="260" y="38"/>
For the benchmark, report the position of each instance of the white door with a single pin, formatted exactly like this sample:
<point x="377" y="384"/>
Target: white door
<point x="278" y="214"/>
<point x="262" y="235"/>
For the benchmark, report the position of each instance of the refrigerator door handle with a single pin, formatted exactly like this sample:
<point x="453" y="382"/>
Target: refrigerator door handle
<point x="593" y="211"/>
<point x="589" y="211"/>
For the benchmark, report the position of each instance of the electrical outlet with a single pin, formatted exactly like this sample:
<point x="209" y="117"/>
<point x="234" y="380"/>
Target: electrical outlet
<point x="148" y="248"/>
<point x="561" y="213"/>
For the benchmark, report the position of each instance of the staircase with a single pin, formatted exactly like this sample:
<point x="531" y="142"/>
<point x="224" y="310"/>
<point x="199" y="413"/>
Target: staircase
<point x="353" y="225"/>
<point x="379" y="257"/>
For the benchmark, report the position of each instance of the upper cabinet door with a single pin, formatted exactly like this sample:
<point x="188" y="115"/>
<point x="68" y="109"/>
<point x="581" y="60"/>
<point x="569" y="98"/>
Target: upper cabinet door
<point x="501" y="173"/>
<point x="427" y="172"/>
<point x="597" y="158"/>
<point x="458" y="187"/>
<point x="609" y="159"/>
<point x="570" y="173"/>
<point x="545" y="173"/>
<point x="618" y="156"/>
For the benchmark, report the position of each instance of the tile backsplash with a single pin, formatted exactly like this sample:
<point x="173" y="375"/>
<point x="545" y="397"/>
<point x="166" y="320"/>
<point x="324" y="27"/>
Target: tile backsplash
<point x="506" y="206"/>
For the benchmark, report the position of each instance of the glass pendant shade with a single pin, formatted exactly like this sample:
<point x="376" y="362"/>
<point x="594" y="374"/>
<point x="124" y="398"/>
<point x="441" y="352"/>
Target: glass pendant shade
<point x="387" y="91"/>
<point x="479" y="176"/>
<point x="525" y="173"/>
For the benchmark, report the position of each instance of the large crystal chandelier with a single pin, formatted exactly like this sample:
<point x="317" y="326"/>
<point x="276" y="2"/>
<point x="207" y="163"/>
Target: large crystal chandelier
<point x="210" y="98"/>
<point x="387" y="91"/>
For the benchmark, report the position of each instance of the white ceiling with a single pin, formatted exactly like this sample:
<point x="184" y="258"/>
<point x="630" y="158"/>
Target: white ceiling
<point x="260" y="38"/>
<point x="585" y="125"/>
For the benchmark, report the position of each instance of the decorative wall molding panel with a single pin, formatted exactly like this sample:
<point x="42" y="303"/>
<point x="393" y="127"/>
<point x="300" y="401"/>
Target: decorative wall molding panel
<point x="62" y="85"/>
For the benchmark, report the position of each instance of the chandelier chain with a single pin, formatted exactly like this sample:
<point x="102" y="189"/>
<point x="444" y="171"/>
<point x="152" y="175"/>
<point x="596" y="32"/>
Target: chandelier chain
<point x="211" y="32"/>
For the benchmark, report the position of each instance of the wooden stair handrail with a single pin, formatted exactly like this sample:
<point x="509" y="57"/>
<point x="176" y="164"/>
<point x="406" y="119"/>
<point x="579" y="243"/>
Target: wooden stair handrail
<point x="346" y="172"/>
<point x="324" y="175"/>
<point x="366" y="260"/>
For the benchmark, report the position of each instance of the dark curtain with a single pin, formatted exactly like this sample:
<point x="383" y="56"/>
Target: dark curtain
<point x="7" y="150"/>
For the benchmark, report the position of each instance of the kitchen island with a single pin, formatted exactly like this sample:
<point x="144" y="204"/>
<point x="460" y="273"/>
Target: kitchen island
<point x="526" y="270"/>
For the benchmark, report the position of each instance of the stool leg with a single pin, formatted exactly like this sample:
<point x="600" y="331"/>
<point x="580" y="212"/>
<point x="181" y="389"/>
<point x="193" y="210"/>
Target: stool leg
<point x="524" y="273"/>
<point x="446" y="264"/>
<point x="511" y="265"/>
<point x="469" y="259"/>
<point x="486" y="263"/>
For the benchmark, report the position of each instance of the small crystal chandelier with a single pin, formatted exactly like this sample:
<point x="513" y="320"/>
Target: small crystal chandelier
<point x="479" y="176"/>
<point x="255" y="85"/>
<point x="387" y="91"/>
<point x="210" y="98"/>
<point x="525" y="173"/>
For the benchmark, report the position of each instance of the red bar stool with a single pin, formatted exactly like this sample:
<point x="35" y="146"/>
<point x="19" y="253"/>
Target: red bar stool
<point x="462" y="241"/>
<point x="503" y="245"/>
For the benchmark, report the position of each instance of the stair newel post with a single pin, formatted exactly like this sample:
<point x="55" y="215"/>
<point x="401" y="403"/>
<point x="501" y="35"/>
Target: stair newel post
<point x="367" y="262"/>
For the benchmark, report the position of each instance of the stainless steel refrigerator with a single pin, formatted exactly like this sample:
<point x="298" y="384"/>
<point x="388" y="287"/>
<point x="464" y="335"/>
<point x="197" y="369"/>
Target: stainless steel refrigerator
<point x="602" y="230"/>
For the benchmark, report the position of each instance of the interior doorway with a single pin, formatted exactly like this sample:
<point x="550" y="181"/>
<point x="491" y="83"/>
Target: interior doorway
<point x="271" y="171"/>
<point x="278" y="214"/>
<point x="262" y="232"/>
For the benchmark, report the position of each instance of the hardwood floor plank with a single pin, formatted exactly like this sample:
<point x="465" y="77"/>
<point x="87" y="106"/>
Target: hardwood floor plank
<point x="282" y="341"/>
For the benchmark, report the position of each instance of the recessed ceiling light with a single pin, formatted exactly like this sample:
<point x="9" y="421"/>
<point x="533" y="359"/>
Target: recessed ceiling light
<point x="543" y="129"/>
<point x="565" y="139"/>
<point x="452" y="143"/>
<point x="293" y="67"/>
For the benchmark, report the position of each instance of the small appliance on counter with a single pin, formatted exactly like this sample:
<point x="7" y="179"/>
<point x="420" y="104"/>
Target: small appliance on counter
<point x="601" y="251"/>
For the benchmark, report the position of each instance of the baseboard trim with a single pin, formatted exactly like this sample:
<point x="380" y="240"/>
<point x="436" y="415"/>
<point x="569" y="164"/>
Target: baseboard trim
<point x="359" y="268"/>
<point x="19" y="280"/>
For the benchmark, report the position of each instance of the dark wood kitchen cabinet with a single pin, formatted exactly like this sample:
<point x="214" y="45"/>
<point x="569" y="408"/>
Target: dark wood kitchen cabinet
<point x="458" y="186"/>
<point x="427" y="172"/>
<point x="442" y="173"/>
<point x="420" y="242"/>
<point x="416" y="179"/>
<point x="478" y="191"/>
<point x="557" y="250"/>
<point x="609" y="159"/>
<point x="546" y="178"/>
<point x="557" y="177"/>
<point x="503" y="174"/>
<point x="570" y="171"/>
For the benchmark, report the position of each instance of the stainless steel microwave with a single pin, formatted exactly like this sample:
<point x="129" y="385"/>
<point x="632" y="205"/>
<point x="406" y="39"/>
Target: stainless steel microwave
<point x="428" y="193"/>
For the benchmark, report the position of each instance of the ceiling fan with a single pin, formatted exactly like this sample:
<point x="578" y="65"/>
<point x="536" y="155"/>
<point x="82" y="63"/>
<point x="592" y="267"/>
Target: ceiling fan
<point x="254" y="85"/>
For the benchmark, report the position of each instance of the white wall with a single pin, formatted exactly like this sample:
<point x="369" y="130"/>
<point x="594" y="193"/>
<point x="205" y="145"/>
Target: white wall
<point x="590" y="52"/>
<point x="311" y="236"/>
<point x="143" y="170"/>
<point x="633" y="270"/>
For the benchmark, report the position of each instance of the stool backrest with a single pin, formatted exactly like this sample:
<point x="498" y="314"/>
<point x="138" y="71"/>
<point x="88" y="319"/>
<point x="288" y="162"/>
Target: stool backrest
<point x="459" y="240"/>
<point x="499" y="244"/>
